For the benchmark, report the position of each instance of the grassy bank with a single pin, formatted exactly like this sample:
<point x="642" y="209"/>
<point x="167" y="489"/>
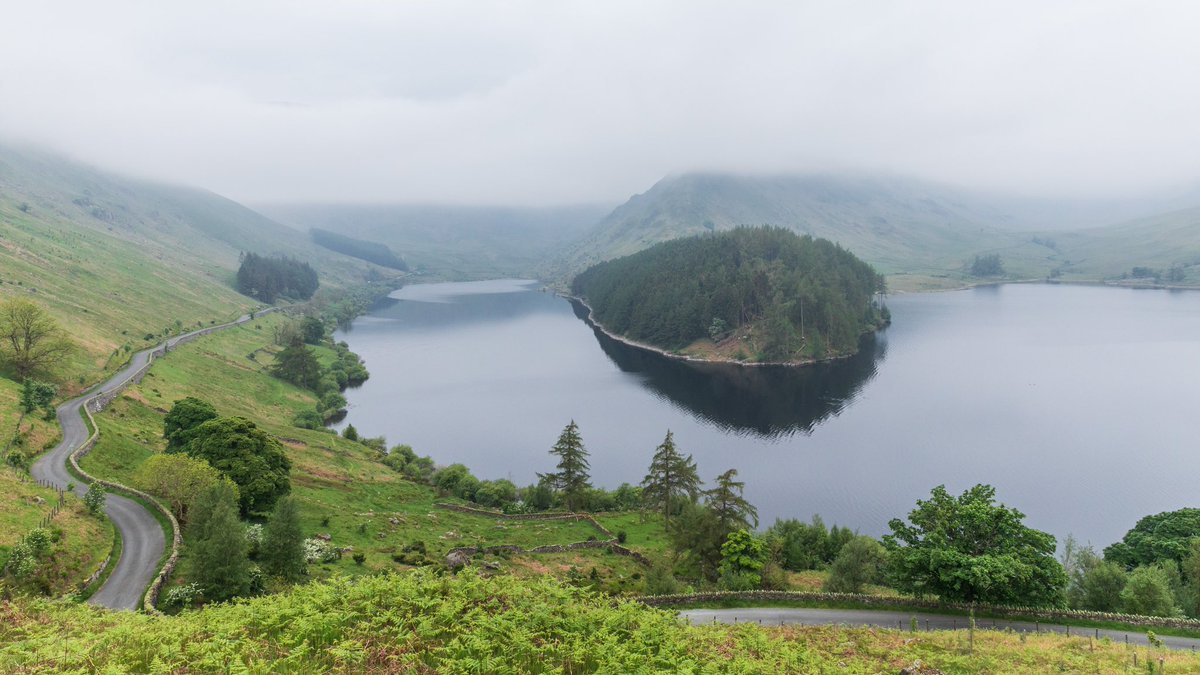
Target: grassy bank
<point x="343" y="490"/>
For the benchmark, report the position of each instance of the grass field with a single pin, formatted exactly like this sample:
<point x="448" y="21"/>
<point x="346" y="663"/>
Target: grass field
<point x="84" y="540"/>
<point x="343" y="490"/>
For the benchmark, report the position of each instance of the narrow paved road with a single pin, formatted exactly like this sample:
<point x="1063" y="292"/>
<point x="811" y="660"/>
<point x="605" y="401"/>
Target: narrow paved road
<point x="778" y="616"/>
<point x="142" y="537"/>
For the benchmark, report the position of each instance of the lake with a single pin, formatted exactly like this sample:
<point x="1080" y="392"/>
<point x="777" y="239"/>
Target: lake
<point x="1078" y="403"/>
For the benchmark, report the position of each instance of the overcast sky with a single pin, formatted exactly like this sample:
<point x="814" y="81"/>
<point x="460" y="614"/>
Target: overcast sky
<point x="556" y="102"/>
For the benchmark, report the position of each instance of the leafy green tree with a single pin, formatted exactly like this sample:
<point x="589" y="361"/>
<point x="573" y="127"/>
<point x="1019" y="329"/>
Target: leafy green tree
<point x="1148" y="592"/>
<point x="177" y="479"/>
<point x="216" y="545"/>
<point x="283" y="542"/>
<point x="572" y="478"/>
<point x="187" y="414"/>
<point x="297" y="364"/>
<point x="1101" y="586"/>
<point x="697" y="535"/>
<point x="1161" y="537"/>
<point x="861" y="561"/>
<point x="728" y="506"/>
<point x="36" y="395"/>
<point x="497" y="493"/>
<point x="249" y="456"/>
<point x="672" y="478"/>
<point x="970" y="549"/>
<point x="743" y="557"/>
<point x="312" y="329"/>
<point x="30" y="339"/>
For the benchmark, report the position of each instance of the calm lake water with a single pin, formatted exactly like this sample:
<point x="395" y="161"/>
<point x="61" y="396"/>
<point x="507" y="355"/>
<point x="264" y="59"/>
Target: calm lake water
<point x="1080" y="404"/>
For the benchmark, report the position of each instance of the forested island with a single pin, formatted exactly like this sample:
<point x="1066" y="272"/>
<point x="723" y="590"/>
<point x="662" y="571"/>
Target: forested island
<point x="752" y="294"/>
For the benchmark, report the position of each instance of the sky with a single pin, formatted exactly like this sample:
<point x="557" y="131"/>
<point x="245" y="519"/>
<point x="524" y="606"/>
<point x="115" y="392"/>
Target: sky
<point x="555" y="102"/>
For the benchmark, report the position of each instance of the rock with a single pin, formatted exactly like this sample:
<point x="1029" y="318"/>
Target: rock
<point x="325" y="537"/>
<point x="457" y="559"/>
<point x="394" y="521"/>
<point x="918" y="668"/>
<point x="492" y="565"/>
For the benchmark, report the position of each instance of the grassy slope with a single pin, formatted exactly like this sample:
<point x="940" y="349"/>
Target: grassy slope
<point x="84" y="539"/>
<point x="921" y="235"/>
<point x="422" y="622"/>
<point x="453" y="242"/>
<point x="368" y="505"/>
<point x="1158" y="242"/>
<point x="114" y="260"/>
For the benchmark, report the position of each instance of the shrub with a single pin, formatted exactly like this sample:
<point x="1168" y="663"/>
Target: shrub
<point x="308" y="419"/>
<point x="317" y="551"/>
<point x="359" y="559"/>
<point x="860" y="562"/>
<point x="254" y="539"/>
<point x="94" y="499"/>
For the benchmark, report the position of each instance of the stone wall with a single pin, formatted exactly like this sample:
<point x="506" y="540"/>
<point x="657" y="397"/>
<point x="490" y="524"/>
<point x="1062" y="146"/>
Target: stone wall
<point x="584" y="517"/>
<point x="885" y="601"/>
<point x="101" y="401"/>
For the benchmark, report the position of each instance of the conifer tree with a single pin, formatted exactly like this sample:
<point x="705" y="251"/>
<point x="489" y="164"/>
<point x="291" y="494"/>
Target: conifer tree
<point x="572" y="476"/>
<point x="283" y="542"/>
<point x="729" y="507"/>
<point x="217" y="544"/>
<point x="297" y="364"/>
<point x="672" y="477"/>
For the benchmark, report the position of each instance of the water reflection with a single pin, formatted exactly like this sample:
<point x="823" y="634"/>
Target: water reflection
<point x="768" y="401"/>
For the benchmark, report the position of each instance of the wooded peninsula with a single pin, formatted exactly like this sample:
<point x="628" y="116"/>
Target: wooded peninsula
<point x="749" y="295"/>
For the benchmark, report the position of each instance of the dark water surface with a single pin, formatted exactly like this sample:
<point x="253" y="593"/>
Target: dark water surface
<point x="1080" y="404"/>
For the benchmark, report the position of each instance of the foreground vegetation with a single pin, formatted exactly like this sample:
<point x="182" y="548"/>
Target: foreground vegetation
<point x="467" y="623"/>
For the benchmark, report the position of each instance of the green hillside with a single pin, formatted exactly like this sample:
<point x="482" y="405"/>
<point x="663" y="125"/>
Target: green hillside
<point x="1162" y="242"/>
<point x="117" y="259"/>
<point x="453" y="242"/>
<point x="758" y="293"/>
<point x="921" y="235"/>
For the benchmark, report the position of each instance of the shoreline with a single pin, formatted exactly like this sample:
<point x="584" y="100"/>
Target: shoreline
<point x="591" y="321"/>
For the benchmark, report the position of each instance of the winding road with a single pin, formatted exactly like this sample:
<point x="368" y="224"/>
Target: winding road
<point x="779" y="616"/>
<point x="142" y="539"/>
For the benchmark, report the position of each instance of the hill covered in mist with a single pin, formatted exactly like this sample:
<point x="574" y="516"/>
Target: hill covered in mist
<point x="905" y="228"/>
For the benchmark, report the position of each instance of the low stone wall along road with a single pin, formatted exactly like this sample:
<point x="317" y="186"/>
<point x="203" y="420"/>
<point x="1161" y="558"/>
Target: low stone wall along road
<point x="780" y="616"/>
<point x="142" y="540"/>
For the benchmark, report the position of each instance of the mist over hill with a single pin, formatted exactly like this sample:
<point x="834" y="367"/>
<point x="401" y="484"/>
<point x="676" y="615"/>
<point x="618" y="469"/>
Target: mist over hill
<point x="901" y="226"/>
<point x="453" y="242"/>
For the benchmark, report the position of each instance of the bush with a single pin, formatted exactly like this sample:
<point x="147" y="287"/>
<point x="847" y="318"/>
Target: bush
<point x="660" y="580"/>
<point x="1148" y="592"/>
<point x="359" y="559"/>
<point x="254" y="539"/>
<point x="308" y="419"/>
<point x="860" y="562"/>
<point x="317" y="551"/>
<point x="622" y="536"/>
<point x="182" y="596"/>
<point x="94" y="499"/>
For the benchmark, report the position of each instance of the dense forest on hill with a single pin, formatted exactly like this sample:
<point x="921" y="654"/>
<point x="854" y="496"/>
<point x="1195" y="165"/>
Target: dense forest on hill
<point x="268" y="278"/>
<point x="766" y="290"/>
<point x="370" y="251"/>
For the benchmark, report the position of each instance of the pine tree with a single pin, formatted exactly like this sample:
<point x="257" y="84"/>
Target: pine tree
<point x="217" y="544"/>
<point x="297" y="364"/>
<point x="283" y="542"/>
<point x="672" y="477"/>
<point x="572" y="475"/>
<point x="730" y="508"/>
